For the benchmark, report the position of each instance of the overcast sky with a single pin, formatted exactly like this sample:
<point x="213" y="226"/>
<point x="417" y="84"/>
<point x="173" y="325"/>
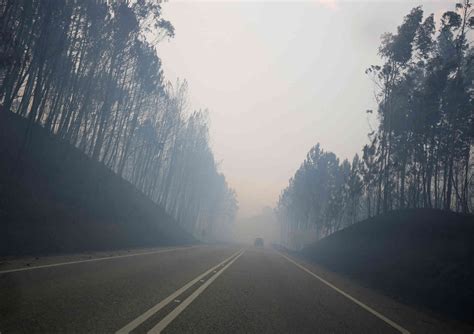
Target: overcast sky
<point x="278" y="77"/>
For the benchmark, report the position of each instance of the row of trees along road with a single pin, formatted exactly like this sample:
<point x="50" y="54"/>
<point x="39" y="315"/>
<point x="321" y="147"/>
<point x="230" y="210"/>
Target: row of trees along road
<point x="88" y="72"/>
<point x="420" y="154"/>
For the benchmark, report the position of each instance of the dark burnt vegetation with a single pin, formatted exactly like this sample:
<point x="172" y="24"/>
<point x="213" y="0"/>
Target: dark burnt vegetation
<point x="88" y="73"/>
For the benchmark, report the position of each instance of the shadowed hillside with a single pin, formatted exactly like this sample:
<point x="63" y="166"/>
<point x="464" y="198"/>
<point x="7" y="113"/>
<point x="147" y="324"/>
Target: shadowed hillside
<point x="423" y="257"/>
<point x="53" y="198"/>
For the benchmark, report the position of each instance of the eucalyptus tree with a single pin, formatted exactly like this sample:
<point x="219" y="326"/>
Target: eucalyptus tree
<point x="89" y="72"/>
<point x="420" y="154"/>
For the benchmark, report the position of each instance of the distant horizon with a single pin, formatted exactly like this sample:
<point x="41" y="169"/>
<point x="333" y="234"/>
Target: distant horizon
<point x="276" y="79"/>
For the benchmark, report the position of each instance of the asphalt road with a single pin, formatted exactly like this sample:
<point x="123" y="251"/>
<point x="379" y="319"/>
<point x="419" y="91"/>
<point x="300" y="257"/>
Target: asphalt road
<point x="204" y="289"/>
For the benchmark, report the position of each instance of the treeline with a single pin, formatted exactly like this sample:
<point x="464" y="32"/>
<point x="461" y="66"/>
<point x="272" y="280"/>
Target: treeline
<point x="88" y="71"/>
<point x="420" y="154"/>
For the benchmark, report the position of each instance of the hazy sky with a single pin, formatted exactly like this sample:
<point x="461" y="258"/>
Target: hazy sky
<point x="278" y="77"/>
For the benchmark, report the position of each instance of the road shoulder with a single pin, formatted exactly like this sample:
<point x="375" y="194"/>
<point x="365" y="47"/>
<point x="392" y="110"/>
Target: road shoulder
<point x="8" y="263"/>
<point x="415" y="320"/>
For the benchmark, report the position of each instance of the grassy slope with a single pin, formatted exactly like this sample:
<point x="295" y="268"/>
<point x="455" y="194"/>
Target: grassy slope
<point x="423" y="257"/>
<point x="56" y="199"/>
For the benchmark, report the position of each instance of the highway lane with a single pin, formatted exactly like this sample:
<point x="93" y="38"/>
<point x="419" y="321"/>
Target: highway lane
<point x="265" y="293"/>
<point x="99" y="296"/>
<point x="206" y="289"/>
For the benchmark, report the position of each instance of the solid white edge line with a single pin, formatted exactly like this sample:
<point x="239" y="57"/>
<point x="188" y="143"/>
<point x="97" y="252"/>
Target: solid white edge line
<point x="185" y="303"/>
<point x="145" y="316"/>
<point x="93" y="260"/>
<point x="367" y="308"/>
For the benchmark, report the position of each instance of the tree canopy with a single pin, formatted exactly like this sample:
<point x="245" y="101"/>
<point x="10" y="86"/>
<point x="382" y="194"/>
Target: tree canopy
<point x="88" y="72"/>
<point x="420" y="156"/>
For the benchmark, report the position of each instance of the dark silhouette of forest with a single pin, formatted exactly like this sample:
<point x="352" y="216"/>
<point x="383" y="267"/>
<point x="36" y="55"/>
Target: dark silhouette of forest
<point x="59" y="200"/>
<point x="419" y="156"/>
<point x="88" y="73"/>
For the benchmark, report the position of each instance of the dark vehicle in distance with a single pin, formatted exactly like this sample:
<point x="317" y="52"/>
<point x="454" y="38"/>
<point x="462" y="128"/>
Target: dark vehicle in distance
<point x="258" y="242"/>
